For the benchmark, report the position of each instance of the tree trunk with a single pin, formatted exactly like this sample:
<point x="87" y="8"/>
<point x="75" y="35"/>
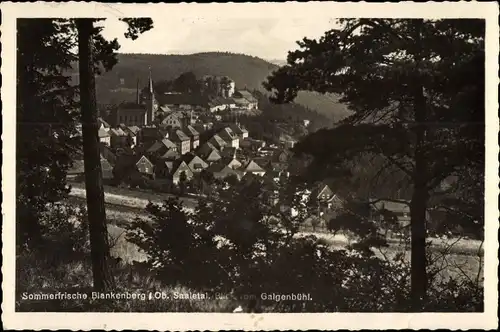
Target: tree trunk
<point x="418" y="205"/>
<point x="102" y="278"/>
<point x="418" y="210"/>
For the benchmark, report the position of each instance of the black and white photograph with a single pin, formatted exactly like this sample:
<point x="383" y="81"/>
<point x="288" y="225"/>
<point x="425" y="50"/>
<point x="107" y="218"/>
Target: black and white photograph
<point x="243" y="160"/>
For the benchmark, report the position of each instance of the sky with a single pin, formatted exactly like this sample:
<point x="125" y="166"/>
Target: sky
<point x="269" y="38"/>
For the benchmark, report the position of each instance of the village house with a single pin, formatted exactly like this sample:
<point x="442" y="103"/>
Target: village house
<point x="119" y="138"/>
<point x="228" y="152"/>
<point x="181" y="140"/>
<point x="202" y="127"/>
<point x="252" y="144"/>
<point x="254" y="168"/>
<point x="103" y="124"/>
<point x="242" y="103"/>
<point x="221" y="171"/>
<point x="195" y="163"/>
<point x="174" y="120"/>
<point x="172" y="170"/>
<point x="164" y="110"/>
<point x="133" y="168"/>
<point x="163" y="148"/>
<point x="325" y="201"/>
<point x="194" y="136"/>
<point x="217" y="142"/>
<point x="278" y="161"/>
<point x="104" y="136"/>
<point x="150" y="134"/>
<point x="242" y="133"/>
<point x="183" y="101"/>
<point x="77" y="171"/>
<point x="232" y="163"/>
<point x="209" y="153"/>
<point x="132" y="131"/>
<point x="241" y="96"/>
<point x="170" y="154"/>
<point x="398" y="209"/>
<point x="219" y="104"/>
<point x="229" y="137"/>
<point x="180" y="167"/>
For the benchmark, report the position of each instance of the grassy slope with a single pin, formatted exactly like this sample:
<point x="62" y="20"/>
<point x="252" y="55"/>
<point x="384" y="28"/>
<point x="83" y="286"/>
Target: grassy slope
<point x="246" y="71"/>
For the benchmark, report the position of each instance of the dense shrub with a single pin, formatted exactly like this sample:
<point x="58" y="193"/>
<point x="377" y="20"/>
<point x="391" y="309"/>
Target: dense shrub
<point x="237" y="244"/>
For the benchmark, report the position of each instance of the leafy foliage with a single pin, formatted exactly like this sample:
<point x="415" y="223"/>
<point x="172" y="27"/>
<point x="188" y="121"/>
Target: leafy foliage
<point x="46" y="117"/>
<point x="248" y="247"/>
<point x="47" y="113"/>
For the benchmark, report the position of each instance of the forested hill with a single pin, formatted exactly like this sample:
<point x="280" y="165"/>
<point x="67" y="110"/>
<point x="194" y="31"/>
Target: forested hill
<point x="247" y="71"/>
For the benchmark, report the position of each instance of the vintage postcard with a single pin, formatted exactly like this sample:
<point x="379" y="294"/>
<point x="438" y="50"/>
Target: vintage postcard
<point x="250" y="166"/>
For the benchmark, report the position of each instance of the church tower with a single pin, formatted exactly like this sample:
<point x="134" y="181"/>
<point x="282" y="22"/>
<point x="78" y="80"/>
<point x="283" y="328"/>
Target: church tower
<point x="150" y="101"/>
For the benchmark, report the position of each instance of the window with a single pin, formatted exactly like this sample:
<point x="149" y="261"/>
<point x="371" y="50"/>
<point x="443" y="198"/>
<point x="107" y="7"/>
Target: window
<point x="121" y="118"/>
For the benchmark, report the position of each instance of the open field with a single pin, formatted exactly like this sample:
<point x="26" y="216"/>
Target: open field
<point x="139" y="201"/>
<point x="134" y="198"/>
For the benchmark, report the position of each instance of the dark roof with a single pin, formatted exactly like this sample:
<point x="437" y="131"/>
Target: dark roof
<point x="401" y="207"/>
<point x="178" y="135"/>
<point x="227" y="134"/>
<point x="229" y="152"/>
<point x="104" y="123"/>
<point x="240" y="100"/>
<point x="134" y="129"/>
<point x="129" y="159"/>
<point x="237" y="129"/>
<point x="150" y="132"/>
<point x="320" y="188"/>
<point x="217" y="140"/>
<point x="117" y="132"/>
<point x="191" y="132"/>
<point x="170" y="154"/>
<point x="247" y="95"/>
<point x="132" y="105"/>
<point x="252" y="166"/>
<point x="220" y="101"/>
<point x="182" y="99"/>
<point x="161" y="147"/>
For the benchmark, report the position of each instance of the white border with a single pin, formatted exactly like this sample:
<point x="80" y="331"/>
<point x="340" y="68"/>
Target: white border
<point x="204" y="321"/>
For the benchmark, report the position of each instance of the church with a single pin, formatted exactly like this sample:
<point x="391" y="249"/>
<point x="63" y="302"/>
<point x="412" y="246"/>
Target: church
<point x="138" y="113"/>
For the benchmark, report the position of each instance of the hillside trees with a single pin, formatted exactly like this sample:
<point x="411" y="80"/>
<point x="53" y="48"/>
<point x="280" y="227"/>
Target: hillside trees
<point x="416" y="88"/>
<point x="187" y="83"/>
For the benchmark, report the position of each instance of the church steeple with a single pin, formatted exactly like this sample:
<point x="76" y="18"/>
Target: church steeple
<point x="150" y="83"/>
<point x="150" y="101"/>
